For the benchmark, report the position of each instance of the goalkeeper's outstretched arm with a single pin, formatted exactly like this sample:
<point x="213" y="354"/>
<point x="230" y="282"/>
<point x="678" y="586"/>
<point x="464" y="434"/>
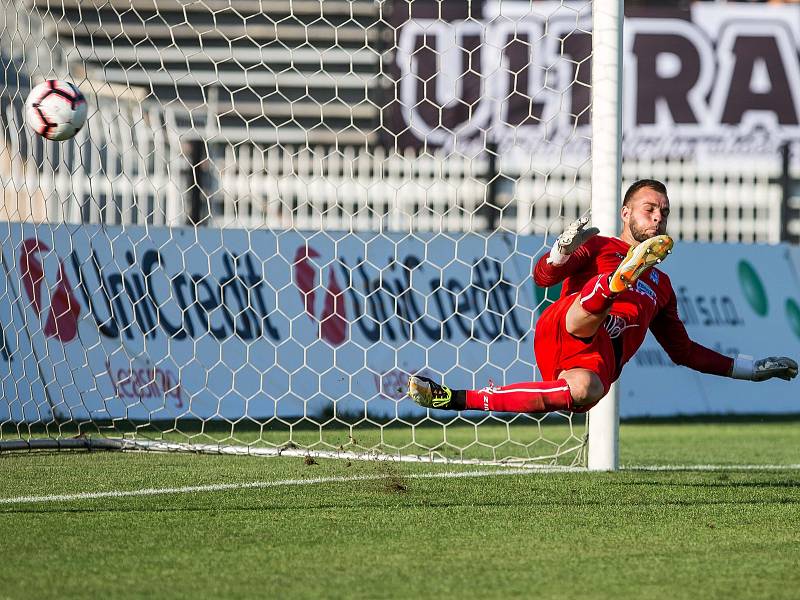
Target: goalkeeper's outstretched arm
<point x="670" y="332"/>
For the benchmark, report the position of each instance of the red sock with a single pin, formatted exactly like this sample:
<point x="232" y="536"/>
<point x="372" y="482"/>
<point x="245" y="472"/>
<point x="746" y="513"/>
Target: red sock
<point x="525" y="397"/>
<point x="596" y="296"/>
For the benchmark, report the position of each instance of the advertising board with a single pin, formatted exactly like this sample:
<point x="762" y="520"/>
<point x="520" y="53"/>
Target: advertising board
<point x="152" y="324"/>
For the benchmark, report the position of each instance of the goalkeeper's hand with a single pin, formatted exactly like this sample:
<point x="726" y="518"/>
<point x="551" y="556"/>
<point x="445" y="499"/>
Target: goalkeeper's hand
<point x="573" y="236"/>
<point x="744" y="367"/>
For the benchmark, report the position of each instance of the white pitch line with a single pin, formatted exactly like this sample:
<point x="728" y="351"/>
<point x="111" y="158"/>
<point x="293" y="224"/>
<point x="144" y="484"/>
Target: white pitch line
<point x="219" y="487"/>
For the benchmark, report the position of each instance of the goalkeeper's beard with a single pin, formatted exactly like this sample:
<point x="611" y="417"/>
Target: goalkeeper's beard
<point x="641" y="235"/>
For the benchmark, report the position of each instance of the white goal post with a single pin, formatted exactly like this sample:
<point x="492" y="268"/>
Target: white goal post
<point x="277" y="211"/>
<point x="606" y="192"/>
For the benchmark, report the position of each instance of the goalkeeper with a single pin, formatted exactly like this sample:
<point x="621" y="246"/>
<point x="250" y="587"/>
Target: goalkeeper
<point x="611" y="295"/>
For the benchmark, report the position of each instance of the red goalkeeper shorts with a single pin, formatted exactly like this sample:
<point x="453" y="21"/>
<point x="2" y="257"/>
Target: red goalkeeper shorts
<point x="556" y="350"/>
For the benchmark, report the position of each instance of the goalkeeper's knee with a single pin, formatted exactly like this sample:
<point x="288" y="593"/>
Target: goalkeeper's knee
<point x="585" y="388"/>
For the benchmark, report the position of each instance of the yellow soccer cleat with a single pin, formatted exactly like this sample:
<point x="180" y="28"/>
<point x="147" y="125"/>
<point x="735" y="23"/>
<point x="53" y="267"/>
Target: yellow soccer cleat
<point x="640" y="258"/>
<point x="428" y="393"/>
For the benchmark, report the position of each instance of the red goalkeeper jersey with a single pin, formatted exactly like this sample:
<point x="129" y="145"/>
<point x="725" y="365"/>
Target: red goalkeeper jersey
<point x="651" y="303"/>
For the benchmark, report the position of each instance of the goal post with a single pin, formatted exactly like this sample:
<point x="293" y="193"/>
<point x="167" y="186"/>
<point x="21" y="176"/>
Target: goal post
<point x="607" y="20"/>
<point x="276" y="213"/>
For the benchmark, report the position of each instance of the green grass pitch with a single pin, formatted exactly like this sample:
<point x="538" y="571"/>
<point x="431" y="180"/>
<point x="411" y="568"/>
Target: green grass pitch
<point x="384" y="532"/>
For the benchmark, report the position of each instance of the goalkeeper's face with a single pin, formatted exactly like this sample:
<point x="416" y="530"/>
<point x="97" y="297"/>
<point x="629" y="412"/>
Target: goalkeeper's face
<point x="646" y="215"/>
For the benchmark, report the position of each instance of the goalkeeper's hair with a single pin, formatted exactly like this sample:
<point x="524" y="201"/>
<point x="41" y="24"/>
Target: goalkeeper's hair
<point x="653" y="184"/>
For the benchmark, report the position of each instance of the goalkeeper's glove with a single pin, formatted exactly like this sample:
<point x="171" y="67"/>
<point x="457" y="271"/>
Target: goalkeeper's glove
<point x="573" y="236"/>
<point x="744" y="367"/>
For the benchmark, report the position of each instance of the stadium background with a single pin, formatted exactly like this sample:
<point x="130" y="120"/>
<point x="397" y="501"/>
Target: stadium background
<point x="259" y="125"/>
<point x="305" y="100"/>
<point x="338" y="117"/>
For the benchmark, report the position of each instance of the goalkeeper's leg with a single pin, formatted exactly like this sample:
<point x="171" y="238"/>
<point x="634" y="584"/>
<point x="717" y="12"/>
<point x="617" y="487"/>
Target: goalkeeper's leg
<point x="576" y="390"/>
<point x="577" y="373"/>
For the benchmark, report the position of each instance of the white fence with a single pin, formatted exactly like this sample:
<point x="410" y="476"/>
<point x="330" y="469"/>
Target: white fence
<point x="346" y="190"/>
<point x="724" y="200"/>
<point x="123" y="167"/>
<point x="148" y="176"/>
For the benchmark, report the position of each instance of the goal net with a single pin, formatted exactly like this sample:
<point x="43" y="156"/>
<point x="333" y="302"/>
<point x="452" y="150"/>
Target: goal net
<point x="276" y="212"/>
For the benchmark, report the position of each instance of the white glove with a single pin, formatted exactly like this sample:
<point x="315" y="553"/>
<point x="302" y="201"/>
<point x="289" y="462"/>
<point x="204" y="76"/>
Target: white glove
<point x="744" y="367"/>
<point x="569" y="241"/>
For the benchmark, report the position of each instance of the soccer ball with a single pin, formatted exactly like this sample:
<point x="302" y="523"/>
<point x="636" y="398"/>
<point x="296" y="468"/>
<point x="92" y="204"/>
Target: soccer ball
<point x="56" y="110"/>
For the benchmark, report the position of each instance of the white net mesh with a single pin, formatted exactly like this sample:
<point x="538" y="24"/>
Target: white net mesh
<point x="277" y="211"/>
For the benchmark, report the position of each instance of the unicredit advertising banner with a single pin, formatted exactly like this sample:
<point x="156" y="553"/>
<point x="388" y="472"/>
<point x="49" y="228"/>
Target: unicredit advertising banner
<point x="707" y="80"/>
<point x="161" y="323"/>
<point x="157" y="323"/>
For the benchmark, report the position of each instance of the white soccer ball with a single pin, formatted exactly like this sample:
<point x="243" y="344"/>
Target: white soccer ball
<point x="56" y="110"/>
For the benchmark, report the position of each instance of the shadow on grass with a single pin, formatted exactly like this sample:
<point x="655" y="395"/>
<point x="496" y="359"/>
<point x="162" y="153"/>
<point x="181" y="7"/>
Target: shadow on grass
<point x="719" y="483"/>
<point x="713" y="419"/>
<point x="413" y="503"/>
